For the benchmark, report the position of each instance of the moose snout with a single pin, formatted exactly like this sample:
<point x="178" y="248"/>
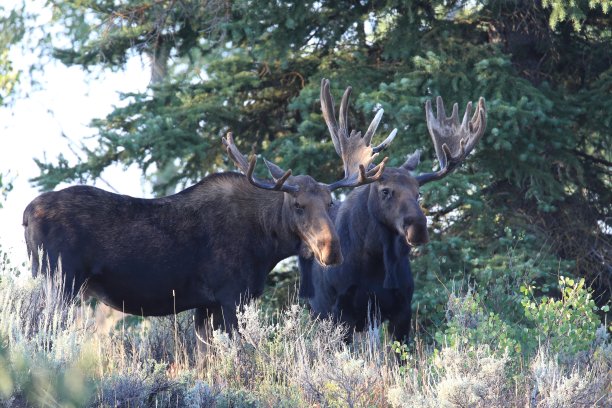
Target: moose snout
<point x="415" y="229"/>
<point x="330" y="252"/>
<point x="417" y="235"/>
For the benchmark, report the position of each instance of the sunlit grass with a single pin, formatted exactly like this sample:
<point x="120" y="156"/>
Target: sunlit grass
<point x="55" y="353"/>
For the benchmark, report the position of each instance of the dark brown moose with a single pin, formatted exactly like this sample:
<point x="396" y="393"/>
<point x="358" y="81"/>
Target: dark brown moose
<point x="378" y="224"/>
<point x="208" y="247"/>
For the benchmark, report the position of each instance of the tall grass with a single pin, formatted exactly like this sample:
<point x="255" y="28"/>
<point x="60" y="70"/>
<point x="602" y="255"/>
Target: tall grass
<point x="58" y="354"/>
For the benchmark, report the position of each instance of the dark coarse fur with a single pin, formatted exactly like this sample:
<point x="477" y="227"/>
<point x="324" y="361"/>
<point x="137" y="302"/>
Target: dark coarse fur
<point x="207" y="247"/>
<point x="375" y="276"/>
<point x="378" y="223"/>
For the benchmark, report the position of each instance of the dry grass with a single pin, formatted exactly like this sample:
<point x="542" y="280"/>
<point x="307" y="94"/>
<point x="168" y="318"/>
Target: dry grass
<point x="59" y="354"/>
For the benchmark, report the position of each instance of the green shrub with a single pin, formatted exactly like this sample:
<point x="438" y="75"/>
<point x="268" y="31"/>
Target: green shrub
<point x="470" y="324"/>
<point x="567" y="325"/>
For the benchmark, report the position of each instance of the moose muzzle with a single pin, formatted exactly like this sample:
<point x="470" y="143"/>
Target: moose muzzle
<point x="329" y="252"/>
<point x="415" y="230"/>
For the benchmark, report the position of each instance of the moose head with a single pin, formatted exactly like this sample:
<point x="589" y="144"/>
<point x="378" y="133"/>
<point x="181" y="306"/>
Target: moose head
<point x="394" y="198"/>
<point x="307" y="202"/>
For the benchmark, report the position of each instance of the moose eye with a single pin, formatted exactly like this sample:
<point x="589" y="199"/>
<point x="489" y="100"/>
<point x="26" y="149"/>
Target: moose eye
<point x="386" y="193"/>
<point x="298" y="208"/>
<point x="331" y="204"/>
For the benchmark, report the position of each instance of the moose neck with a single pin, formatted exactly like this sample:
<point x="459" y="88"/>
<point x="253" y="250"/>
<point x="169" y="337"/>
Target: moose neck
<point x="275" y="217"/>
<point x="359" y="224"/>
<point x="255" y="216"/>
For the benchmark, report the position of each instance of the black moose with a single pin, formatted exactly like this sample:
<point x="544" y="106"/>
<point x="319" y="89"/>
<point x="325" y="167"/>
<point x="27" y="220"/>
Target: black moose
<point x="208" y="247"/>
<point x="379" y="223"/>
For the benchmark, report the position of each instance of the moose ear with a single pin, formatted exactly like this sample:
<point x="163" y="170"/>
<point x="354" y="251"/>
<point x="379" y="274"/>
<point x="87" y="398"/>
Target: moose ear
<point x="412" y="161"/>
<point x="275" y="171"/>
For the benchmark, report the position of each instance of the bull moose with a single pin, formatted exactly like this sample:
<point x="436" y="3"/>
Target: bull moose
<point x="207" y="247"/>
<point x="379" y="223"/>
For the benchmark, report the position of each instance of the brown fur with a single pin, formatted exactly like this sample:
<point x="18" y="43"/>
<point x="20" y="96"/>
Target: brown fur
<point x="207" y="247"/>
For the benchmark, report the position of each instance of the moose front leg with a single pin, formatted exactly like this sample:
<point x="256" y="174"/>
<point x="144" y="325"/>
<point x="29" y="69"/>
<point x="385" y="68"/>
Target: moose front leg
<point x="399" y="325"/>
<point x="215" y="317"/>
<point x="210" y="318"/>
<point x="204" y="325"/>
<point x="401" y="318"/>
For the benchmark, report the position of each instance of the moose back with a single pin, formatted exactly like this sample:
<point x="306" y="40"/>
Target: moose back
<point x="208" y="247"/>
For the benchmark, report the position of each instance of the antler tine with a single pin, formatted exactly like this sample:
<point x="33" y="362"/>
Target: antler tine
<point x="455" y="114"/>
<point x="360" y="178"/>
<point x="343" y="130"/>
<point x="476" y="126"/>
<point x="238" y="158"/>
<point x="354" y="149"/>
<point x="377" y="171"/>
<point x="373" y="126"/>
<point x="440" y="109"/>
<point x="479" y="121"/>
<point x="329" y="113"/>
<point x="386" y="142"/>
<point x="248" y="168"/>
<point x="273" y="168"/>
<point x="453" y="141"/>
<point x="466" y="115"/>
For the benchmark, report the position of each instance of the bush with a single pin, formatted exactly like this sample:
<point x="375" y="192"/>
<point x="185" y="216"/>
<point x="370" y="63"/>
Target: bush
<point x="469" y="323"/>
<point x="54" y="353"/>
<point x="567" y="325"/>
<point x="44" y="356"/>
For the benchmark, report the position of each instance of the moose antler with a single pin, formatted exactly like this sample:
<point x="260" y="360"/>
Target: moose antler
<point x="355" y="150"/>
<point x="248" y="168"/>
<point x="452" y="140"/>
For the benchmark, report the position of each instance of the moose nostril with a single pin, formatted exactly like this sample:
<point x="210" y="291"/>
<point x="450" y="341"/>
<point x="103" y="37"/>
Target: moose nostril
<point x="330" y="252"/>
<point x="321" y="244"/>
<point x="417" y="235"/>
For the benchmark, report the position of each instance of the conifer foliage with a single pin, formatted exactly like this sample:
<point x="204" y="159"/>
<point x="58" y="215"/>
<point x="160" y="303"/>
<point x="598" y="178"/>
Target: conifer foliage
<point x="537" y="190"/>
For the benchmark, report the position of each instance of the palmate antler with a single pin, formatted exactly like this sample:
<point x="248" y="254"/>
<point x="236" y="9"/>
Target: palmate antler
<point x="355" y="150"/>
<point x="453" y="141"/>
<point x="248" y="167"/>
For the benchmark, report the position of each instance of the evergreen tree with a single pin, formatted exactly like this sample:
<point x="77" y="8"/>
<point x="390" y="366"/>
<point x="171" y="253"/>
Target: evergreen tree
<point x="11" y="33"/>
<point x="533" y="202"/>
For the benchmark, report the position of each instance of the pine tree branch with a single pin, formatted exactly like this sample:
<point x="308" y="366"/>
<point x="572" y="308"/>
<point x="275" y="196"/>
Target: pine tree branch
<point x="591" y="158"/>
